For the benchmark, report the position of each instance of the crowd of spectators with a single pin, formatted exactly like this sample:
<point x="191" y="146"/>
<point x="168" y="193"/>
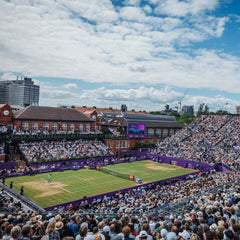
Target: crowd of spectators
<point x="210" y="202"/>
<point x="213" y="215"/>
<point x="49" y="132"/>
<point x="211" y="139"/>
<point x="56" y="150"/>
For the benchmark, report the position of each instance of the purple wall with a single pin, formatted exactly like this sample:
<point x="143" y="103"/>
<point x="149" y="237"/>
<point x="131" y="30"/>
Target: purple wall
<point x="220" y="168"/>
<point x="7" y="165"/>
<point x="181" y="162"/>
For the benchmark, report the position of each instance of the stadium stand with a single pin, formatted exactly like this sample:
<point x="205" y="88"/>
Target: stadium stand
<point x="56" y="150"/>
<point x="203" y="206"/>
<point x="211" y="138"/>
<point x="205" y="203"/>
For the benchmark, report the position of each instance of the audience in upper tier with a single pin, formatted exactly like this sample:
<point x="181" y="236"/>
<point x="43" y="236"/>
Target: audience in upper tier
<point x="55" y="150"/>
<point x="211" y="139"/>
<point x="49" y="132"/>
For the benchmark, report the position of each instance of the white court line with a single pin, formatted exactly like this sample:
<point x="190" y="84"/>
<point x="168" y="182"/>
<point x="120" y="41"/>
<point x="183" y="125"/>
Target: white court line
<point x="56" y="185"/>
<point x="85" y="180"/>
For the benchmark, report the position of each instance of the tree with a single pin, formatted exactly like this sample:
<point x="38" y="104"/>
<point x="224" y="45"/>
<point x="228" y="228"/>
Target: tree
<point x="221" y="112"/>
<point x="155" y="112"/>
<point x="200" y="110"/>
<point x="123" y="107"/>
<point x="175" y="114"/>
<point x="167" y="107"/>
<point x="206" y="109"/>
<point x="187" y="118"/>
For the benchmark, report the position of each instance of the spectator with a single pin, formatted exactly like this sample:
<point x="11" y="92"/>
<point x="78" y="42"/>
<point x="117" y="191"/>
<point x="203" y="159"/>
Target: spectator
<point x="15" y="233"/>
<point x="97" y="236"/>
<point x="59" y="227"/>
<point x="106" y="232"/>
<point x="83" y="233"/>
<point x="51" y="231"/>
<point x="26" y="232"/>
<point x="126" y="232"/>
<point x="73" y="226"/>
<point x="7" y="233"/>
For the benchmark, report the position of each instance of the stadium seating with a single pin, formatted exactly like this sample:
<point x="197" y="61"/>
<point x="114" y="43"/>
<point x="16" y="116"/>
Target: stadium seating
<point x="211" y="138"/>
<point x="205" y="206"/>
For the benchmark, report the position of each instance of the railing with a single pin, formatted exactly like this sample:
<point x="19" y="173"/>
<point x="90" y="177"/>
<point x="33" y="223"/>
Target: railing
<point x="23" y="200"/>
<point x="50" y="137"/>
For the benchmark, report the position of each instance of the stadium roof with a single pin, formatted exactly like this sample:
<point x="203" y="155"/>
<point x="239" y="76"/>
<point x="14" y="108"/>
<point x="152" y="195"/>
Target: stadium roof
<point x="109" y="115"/>
<point x="114" y="119"/>
<point x="148" y="117"/>
<point x="3" y="105"/>
<point x="51" y="114"/>
<point x="107" y="110"/>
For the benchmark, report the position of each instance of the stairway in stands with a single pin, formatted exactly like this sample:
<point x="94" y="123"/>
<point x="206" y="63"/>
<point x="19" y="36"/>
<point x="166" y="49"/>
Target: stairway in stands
<point x="21" y="164"/>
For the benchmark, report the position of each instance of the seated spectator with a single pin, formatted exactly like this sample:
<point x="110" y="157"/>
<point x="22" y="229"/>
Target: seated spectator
<point x="126" y="231"/>
<point x="51" y="232"/>
<point x="15" y="233"/>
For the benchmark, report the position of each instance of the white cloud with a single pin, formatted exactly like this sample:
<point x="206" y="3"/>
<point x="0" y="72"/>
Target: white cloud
<point x="132" y="14"/>
<point x="132" y="2"/>
<point x="98" y="42"/>
<point x="182" y="8"/>
<point x="237" y="18"/>
<point x="211" y="26"/>
<point x="69" y="86"/>
<point x="141" y="98"/>
<point x="147" y="9"/>
<point x="136" y="67"/>
<point x="8" y="76"/>
<point x="153" y="99"/>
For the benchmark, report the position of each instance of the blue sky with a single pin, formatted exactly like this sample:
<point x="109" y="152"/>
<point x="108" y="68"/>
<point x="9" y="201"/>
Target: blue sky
<point x="144" y="54"/>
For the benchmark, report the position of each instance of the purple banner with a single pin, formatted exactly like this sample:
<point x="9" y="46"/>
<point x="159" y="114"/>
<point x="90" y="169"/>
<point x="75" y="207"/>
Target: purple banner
<point x="7" y="165"/>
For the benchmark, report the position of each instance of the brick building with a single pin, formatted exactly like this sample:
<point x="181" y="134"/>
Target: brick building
<point x="113" y="123"/>
<point x="52" y="119"/>
<point x="5" y="117"/>
<point x="5" y="124"/>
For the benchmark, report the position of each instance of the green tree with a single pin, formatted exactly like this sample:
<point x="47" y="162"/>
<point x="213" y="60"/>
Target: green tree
<point x="175" y="114"/>
<point x="187" y="118"/>
<point x="155" y="113"/>
<point x="221" y="112"/>
<point x="123" y="107"/>
<point x="200" y="110"/>
<point x="206" y="109"/>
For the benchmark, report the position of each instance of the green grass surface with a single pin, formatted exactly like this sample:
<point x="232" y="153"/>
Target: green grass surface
<point x="72" y="185"/>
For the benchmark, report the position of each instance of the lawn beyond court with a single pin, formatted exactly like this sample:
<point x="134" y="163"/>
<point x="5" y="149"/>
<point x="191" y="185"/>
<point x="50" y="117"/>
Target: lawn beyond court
<point x="72" y="185"/>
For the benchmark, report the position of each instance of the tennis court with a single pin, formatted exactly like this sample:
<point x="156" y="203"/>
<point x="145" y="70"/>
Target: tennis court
<point x="72" y="185"/>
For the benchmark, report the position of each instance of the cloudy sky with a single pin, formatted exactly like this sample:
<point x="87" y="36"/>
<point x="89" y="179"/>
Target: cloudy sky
<point x="142" y="53"/>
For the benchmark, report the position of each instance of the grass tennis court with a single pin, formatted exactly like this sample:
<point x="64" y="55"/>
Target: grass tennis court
<point x="72" y="185"/>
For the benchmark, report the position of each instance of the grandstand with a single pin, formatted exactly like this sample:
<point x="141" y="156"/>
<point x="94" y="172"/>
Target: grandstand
<point x="211" y="138"/>
<point x="204" y="203"/>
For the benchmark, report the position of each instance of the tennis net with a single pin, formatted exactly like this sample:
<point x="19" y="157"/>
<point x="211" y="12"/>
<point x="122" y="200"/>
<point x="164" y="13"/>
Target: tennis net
<point x="116" y="173"/>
